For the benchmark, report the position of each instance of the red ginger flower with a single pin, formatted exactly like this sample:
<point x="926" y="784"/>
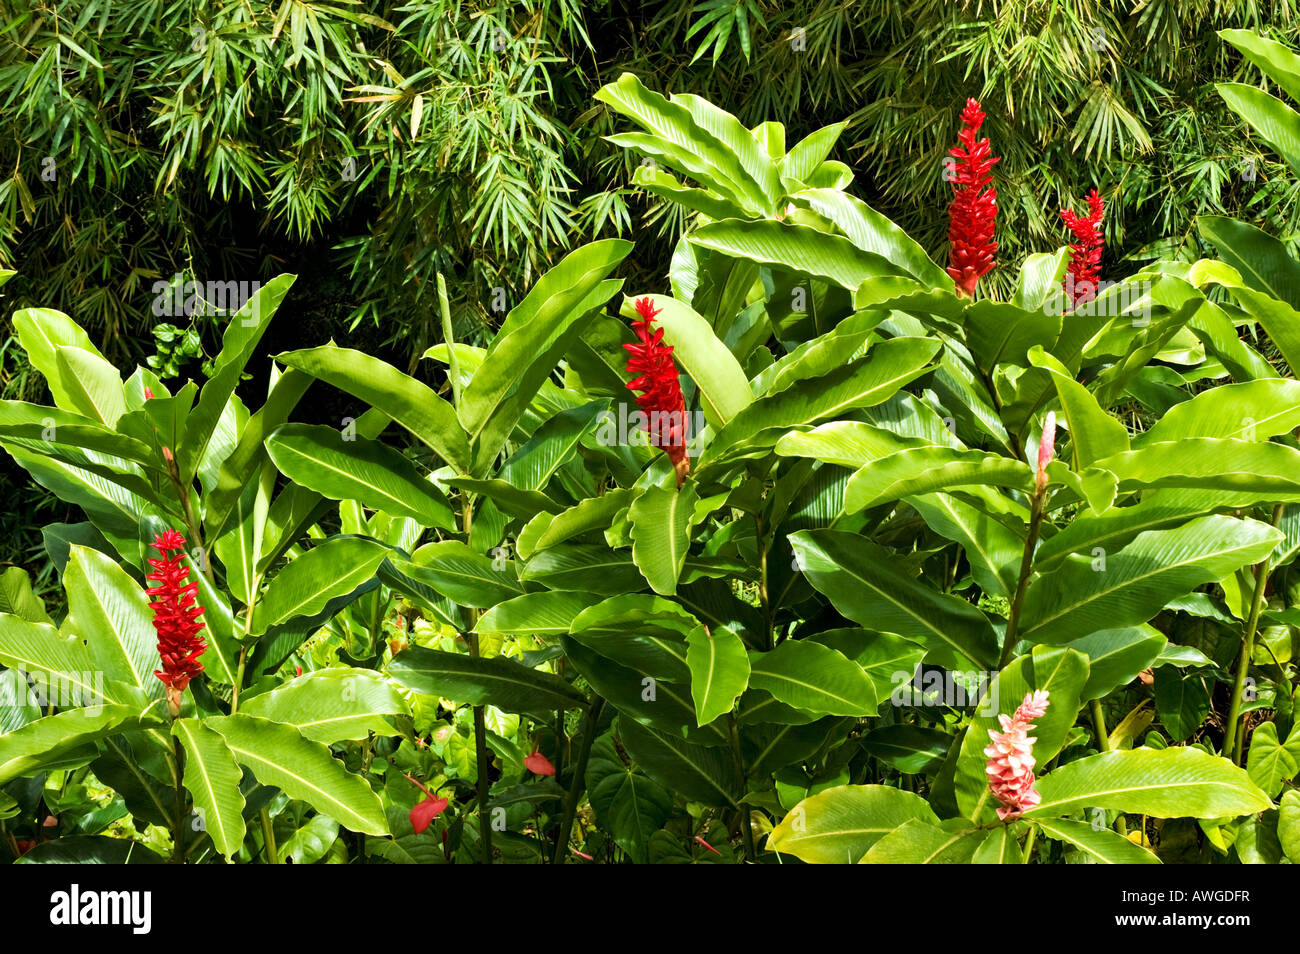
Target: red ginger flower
<point x="974" y="209"/>
<point x="1011" y="758"/>
<point x="661" y="401"/>
<point x="175" y="611"/>
<point x="1085" y="259"/>
<point x="425" y="811"/>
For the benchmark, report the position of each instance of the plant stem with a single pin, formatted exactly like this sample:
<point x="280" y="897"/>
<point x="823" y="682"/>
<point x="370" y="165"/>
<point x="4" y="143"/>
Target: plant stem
<point x="578" y="784"/>
<point x="1026" y="569"/>
<point x="746" y="822"/>
<point x="1103" y="745"/>
<point x="178" y="822"/>
<point x="763" y="594"/>
<point x="1029" y="843"/>
<point x="1232" y="738"/>
<point x="268" y="838"/>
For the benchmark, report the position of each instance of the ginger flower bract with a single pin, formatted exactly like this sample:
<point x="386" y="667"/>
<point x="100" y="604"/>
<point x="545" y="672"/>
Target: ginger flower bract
<point x="175" y="617"/>
<point x="972" y="216"/>
<point x="661" y="399"/>
<point x="1084" y="271"/>
<point x="1011" y="758"/>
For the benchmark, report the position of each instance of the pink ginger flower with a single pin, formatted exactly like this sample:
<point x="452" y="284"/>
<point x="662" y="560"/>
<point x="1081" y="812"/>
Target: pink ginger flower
<point x="1046" y="451"/>
<point x="1011" y="758"/>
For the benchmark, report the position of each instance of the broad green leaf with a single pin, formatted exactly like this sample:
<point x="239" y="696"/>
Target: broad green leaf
<point x="999" y="848"/>
<point x="18" y="598"/>
<point x="661" y="524"/>
<point x="866" y="584"/>
<point x="918" y="842"/>
<point x="212" y="777"/>
<point x="243" y="331"/>
<point x="1261" y="261"/>
<point x="278" y="755"/>
<point x="1116" y="656"/>
<point x="701" y="773"/>
<point x="1277" y="123"/>
<point x="839" y="825"/>
<point x="92" y="385"/>
<point x="308" y="583"/>
<point x="584" y="567"/>
<point x="993" y="550"/>
<point x="629" y="805"/>
<point x="457" y="572"/>
<point x="594" y="513"/>
<point x="407" y="401"/>
<point x="872" y="232"/>
<point x="1100" y="844"/>
<point x="719" y="671"/>
<point x="1278" y="62"/>
<point x="1094" y="434"/>
<point x="548" y="613"/>
<point x="1251" y="411"/>
<point x="40" y="648"/>
<point x="1272" y="762"/>
<point x="1288" y="825"/>
<point x="814" y="678"/>
<point x="509" y="685"/>
<point x="1137" y="582"/>
<point x="344" y="467"/>
<point x="1167" y="783"/>
<point x="796" y="247"/>
<point x="922" y="470"/>
<point x="41" y="333"/>
<point x="26" y="749"/>
<point x="331" y="705"/>
<point x="867" y="381"/>
<point x="110" y="613"/>
<point x="912" y="749"/>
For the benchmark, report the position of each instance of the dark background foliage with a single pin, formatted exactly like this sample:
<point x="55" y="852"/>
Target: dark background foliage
<point x="365" y="146"/>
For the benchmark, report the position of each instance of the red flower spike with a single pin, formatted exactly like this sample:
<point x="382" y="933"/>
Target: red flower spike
<point x="974" y="210"/>
<point x="539" y="764"/>
<point x="1085" y="258"/>
<point x="174" y="617"/>
<point x="707" y="845"/>
<point x="661" y="399"/>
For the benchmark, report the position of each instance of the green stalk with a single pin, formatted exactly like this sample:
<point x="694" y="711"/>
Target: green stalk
<point x="1103" y="745"/>
<point x="1029" y="843"/>
<point x="1232" y="738"/>
<point x="1026" y="569"/>
<point x="746" y="822"/>
<point x="178" y="822"/>
<point x="579" y="782"/>
<point x="268" y="837"/>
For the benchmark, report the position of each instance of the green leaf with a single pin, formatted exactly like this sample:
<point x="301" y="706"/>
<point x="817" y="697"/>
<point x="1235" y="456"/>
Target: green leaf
<point x="999" y="848"/>
<point x="919" y="843"/>
<point x="407" y="401"/>
<point x="548" y="613"/>
<point x="868" y="381"/>
<point x="724" y="388"/>
<point x="993" y="550"/>
<point x="308" y="583"/>
<point x="921" y="470"/>
<point x="497" y="681"/>
<point x="796" y="247"/>
<point x="534" y="334"/>
<point x="584" y="567"/>
<point x="1167" y="783"/>
<point x="1271" y="762"/>
<point x="661" y="524"/>
<point x="865" y="583"/>
<point x="814" y="678"/>
<point x="1251" y="411"/>
<point x="1116" y="656"/>
<point x="354" y="468"/>
<point x="719" y="671"/>
<point x="93" y="386"/>
<point x="1288" y="825"/>
<point x="278" y="755"/>
<point x="1262" y="261"/>
<point x="629" y="805"/>
<point x="701" y="773"/>
<point x="1139" y="580"/>
<point x="243" y="332"/>
<point x="1275" y="121"/>
<point x="42" y="332"/>
<point x="40" y="648"/>
<point x="26" y="749"/>
<point x="110" y="612"/>
<point x="912" y="749"/>
<point x="332" y="705"/>
<point x="212" y="777"/>
<point x="457" y="572"/>
<point x="872" y="232"/>
<point x="1094" y="434"/>
<point x="1279" y="63"/>
<point x="839" y="825"/>
<point x="1101" y="845"/>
